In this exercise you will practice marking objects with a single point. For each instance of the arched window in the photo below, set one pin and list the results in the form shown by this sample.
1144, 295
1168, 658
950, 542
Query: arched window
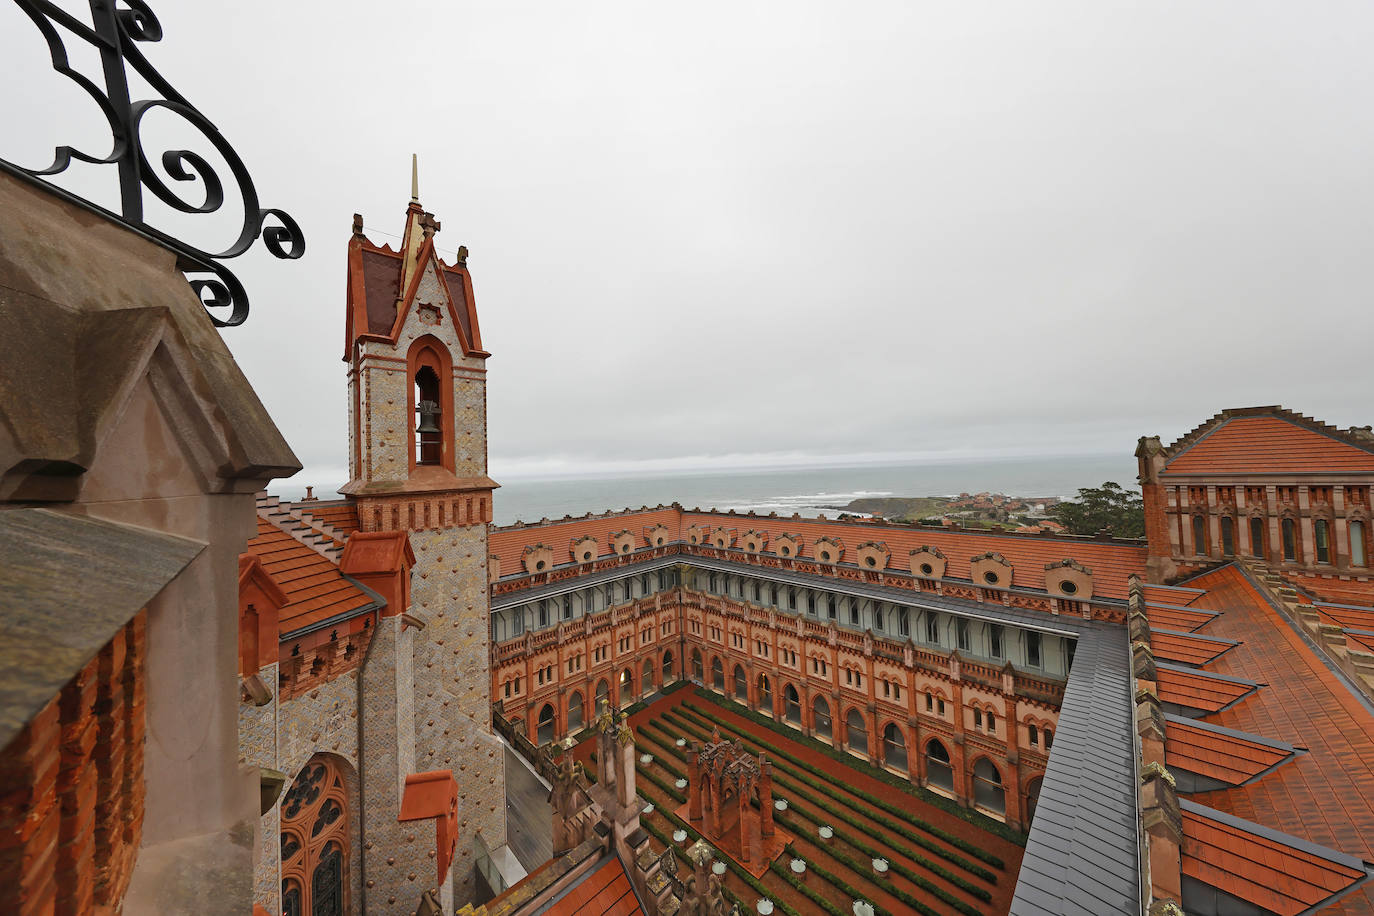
1032, 798
646, 684
1321, 540
698, 671
792, 705
548, 724
1049, 738
1199, 535
1257, 537
741, 685
765, 695
717, 675
1033, 734
429, 439
988, 793
1358, 556
314, 840
856, 732
894, 747
627, 686
668, 666
1228, 536
938, 771
575, 711
820, 719
1290, 540
603, 696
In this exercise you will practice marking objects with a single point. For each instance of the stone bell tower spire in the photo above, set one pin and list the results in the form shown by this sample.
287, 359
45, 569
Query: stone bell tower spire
418, 464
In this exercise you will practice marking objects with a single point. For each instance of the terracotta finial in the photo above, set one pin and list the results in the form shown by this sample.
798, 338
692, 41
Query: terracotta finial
462, 256
357, 225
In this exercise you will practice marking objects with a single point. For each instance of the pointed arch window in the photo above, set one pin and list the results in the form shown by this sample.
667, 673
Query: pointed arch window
430, 368
1358, 556
1290, 540
428, 433
1228, 536
1199, 535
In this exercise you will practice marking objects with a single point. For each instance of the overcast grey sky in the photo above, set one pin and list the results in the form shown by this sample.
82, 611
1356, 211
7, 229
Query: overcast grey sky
739, 233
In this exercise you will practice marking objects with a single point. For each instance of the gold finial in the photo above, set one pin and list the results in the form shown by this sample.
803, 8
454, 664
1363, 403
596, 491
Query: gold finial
414, 178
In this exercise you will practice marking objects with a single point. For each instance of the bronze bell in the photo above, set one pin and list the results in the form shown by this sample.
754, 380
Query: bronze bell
429, 413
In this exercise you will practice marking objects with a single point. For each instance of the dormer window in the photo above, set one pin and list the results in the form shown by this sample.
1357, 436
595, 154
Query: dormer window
428, 431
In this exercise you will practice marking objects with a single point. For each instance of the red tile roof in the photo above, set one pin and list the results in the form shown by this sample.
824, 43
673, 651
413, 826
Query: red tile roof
1230, 757
1178, 618
1359, 592
1269, 870
1171, 594
1347, 617
1322, 796
1199, 690
340, 515
1360, 641
1111, 563
1269, 445
605, 891
1185, 648
315, 589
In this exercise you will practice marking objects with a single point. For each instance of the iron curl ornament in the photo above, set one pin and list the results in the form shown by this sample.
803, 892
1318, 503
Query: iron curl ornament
191, 186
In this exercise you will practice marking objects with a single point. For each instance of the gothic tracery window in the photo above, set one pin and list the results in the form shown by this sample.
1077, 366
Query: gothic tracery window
314, 841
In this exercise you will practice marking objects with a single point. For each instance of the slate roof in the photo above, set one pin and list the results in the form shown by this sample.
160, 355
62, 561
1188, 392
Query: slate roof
69, 582
1081, 857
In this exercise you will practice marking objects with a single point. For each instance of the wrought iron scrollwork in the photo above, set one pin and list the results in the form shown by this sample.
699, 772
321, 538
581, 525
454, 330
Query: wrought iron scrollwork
116, 29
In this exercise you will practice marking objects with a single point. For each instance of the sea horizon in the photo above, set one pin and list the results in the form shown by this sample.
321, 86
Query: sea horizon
790, 490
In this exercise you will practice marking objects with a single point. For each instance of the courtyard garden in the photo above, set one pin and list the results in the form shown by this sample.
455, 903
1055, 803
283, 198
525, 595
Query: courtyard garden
860, 834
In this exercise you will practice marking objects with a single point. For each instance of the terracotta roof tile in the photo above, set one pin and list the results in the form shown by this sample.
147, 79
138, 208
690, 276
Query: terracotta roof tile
314, 587
1111, 563
1350, 618
1219, 753
1322, 796
605, 891
1360, 641
1172, 594
1187, 648
1278, 873
1357, 592
1268, 445
1194, 689
1180, 619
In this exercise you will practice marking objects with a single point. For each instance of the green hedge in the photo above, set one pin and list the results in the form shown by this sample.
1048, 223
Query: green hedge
784, 776
786, 874
845, 887
911, 875
981, 821
883, 804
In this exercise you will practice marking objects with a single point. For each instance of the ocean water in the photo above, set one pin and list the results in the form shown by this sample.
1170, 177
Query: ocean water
809, 491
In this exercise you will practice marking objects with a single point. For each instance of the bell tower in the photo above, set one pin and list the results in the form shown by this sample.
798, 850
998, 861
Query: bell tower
418, 464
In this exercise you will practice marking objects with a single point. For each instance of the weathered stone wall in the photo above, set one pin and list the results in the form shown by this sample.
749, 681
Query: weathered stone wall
284, 736
452, 686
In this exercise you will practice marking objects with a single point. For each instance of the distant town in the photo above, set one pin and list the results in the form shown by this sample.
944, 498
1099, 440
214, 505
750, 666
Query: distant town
1022, 514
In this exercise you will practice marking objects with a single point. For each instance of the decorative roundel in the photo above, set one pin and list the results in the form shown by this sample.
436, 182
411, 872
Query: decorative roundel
785, 551
538, 565
825, 556
1068, 587
927, 569
870, 561
991, 578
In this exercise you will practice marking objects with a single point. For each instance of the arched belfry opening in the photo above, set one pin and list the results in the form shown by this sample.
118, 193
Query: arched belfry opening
429, 441
430, 369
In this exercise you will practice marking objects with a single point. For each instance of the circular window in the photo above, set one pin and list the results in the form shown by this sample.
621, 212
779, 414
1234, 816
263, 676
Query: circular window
991, 578
693, 539
927, 569
624, 548
825, 556
538, 565
785, 551
1068, 588
586, 557
870, 561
